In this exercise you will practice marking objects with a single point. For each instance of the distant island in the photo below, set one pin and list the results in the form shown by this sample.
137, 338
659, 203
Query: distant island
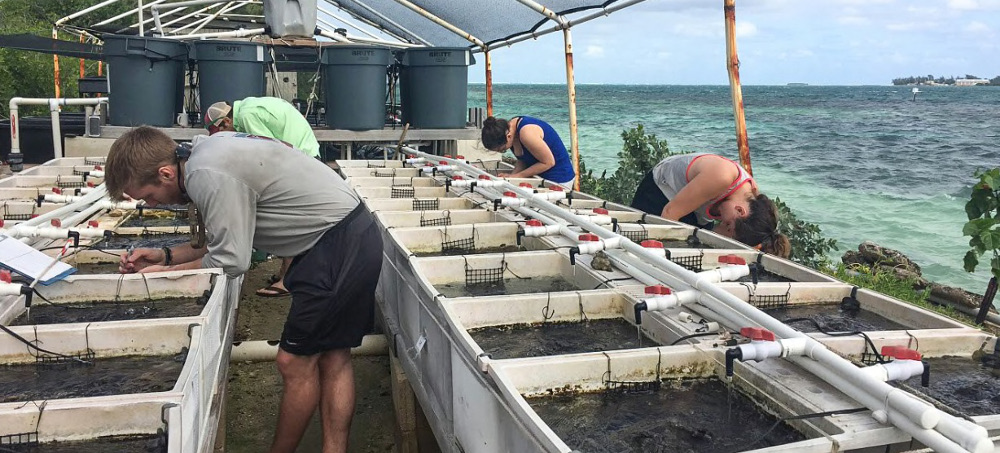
968, 80
798, 84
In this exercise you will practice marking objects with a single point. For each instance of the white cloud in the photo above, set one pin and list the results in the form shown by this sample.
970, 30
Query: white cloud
912, 26
594, 51
963, 4
977, 27
853, 20
745, 29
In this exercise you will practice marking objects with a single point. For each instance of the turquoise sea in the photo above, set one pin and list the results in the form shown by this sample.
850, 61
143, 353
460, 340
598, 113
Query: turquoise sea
862, 162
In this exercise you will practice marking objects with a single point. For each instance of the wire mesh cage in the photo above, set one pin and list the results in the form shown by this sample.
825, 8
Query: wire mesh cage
690, 262
628, 387
458, 246
93, 161
19, 442
384, 172
376, 164
69, 184
402, 192
83, 358
485, 277
769, 301
636, 236
439, 221
426, 205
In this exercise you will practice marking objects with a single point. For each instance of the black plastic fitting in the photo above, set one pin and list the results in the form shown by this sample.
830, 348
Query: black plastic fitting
639, 308
925, 377
573, 251
39, 200
27, 292
75, 236
519, 235
732, 355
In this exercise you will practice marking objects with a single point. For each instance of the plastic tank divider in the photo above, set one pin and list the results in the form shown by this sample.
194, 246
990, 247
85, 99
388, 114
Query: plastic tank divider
875, 394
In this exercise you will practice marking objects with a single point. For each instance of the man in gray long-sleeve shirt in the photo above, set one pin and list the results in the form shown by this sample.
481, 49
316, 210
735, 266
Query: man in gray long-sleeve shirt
258, 192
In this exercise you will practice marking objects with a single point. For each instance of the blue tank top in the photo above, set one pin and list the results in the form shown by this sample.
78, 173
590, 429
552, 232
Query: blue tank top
562, 171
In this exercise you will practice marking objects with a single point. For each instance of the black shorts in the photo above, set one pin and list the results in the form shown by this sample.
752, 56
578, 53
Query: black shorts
333, 287
649, 198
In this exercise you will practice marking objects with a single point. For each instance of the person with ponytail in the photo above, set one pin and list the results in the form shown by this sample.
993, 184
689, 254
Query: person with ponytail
712, 192
536, 145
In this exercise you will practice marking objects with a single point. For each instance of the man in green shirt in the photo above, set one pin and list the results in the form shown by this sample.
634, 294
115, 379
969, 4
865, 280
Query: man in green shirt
266, 117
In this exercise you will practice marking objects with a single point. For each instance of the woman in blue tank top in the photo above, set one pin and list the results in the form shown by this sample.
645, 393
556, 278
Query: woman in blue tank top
538, 148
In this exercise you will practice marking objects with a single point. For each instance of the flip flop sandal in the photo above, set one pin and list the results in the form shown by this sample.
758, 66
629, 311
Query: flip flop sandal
273, 279
272, 291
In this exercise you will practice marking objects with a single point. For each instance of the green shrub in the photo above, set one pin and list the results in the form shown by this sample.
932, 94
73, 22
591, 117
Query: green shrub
983, 226
887, 283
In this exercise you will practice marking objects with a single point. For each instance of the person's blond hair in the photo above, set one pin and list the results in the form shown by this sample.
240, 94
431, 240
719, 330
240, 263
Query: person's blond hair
135, 159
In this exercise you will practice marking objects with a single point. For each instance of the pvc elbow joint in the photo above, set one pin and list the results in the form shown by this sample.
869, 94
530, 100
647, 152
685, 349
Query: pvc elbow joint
732, 355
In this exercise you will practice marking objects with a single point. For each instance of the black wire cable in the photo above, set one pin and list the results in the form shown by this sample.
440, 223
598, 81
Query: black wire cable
695, 335
868, 340
802, 417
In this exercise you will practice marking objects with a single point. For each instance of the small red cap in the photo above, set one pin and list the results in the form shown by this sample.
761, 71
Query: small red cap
732, 259
485, 177
94, 224
1, 223
5, 276
411, 156
534, 223
526, 185
98, 167
460, 156
448, 156
658, 289
556, 188
651, 244
57, 190
56, 223
34, 215
510, 194
428, 164
901, 353
91, 184
600, 211
457, 177
757, 333
589, 237
443, 162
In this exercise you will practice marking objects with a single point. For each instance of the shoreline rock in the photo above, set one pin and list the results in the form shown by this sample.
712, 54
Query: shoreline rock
893, 261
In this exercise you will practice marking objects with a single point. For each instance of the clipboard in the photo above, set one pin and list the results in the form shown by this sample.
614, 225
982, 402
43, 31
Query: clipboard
28, 262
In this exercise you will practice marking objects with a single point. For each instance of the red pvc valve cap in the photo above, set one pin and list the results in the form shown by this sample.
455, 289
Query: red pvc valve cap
34, 215
534, 223
901, 353
600, 211
526, 185
460, 156
732, 259
57, 190
589, 237
411, 156
510, 194
757, 333
456, 177
94, 224
428, 164
1, 223
485, 177
443, 162
556, 188
5, 276
98, 167
658, 290
56, 223
91, 184
651, 244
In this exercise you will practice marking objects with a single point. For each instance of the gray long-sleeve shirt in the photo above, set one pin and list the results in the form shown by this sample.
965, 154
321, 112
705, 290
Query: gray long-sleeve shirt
258, 192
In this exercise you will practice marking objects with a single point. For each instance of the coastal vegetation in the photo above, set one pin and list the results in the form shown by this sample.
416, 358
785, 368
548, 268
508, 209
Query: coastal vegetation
940, 80
983, 228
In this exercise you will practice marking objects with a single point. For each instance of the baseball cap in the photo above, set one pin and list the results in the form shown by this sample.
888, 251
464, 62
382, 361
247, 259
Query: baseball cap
216, 113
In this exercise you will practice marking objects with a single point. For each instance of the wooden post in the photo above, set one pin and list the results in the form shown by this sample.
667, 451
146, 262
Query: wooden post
405, 404
571, 87
733, 61
489, 84
55, 64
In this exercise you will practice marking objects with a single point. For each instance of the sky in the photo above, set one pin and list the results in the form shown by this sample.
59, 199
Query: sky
820, 42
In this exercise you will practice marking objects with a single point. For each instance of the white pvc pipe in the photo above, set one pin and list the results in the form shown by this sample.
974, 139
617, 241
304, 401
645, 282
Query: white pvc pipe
54, 104
828, 366
83, 11
263, 351
334, 36
241, 33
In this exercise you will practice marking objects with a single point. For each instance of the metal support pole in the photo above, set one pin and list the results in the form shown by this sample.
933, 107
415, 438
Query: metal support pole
571, 87
489, 84
733, 61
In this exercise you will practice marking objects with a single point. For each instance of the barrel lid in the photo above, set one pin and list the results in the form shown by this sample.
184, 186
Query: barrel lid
438, 56
351, 55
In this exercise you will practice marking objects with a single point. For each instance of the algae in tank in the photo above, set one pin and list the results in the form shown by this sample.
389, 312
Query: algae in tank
684, 415
102, 376
528, 285
154, 443
101, 311
831, 318
554, 338
970, 385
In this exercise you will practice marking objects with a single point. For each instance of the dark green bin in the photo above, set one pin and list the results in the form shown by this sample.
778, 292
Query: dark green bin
434, 90
230, 70
354, 86
145, 79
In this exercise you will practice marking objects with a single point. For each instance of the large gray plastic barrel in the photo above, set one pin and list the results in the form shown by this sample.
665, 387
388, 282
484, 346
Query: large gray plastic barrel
145, 79
230, 70
354, 86
434, 87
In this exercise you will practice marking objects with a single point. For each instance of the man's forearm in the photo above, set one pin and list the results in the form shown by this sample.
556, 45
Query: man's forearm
185, 253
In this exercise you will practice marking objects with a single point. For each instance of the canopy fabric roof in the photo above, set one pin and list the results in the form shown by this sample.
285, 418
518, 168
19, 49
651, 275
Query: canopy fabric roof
490, 21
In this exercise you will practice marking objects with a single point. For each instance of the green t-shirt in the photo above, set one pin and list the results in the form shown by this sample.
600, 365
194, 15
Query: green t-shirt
275, 118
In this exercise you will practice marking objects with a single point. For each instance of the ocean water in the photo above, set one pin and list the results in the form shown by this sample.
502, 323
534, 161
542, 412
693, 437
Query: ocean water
862, 162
